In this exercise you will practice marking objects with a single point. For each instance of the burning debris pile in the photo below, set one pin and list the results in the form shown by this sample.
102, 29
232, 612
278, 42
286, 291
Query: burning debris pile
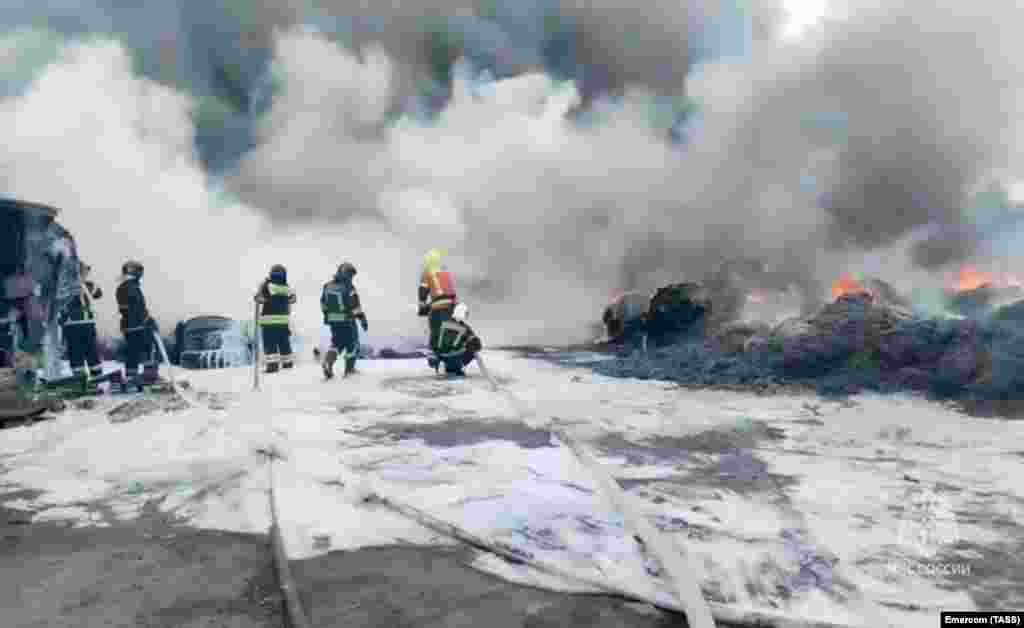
671, 312
869, 337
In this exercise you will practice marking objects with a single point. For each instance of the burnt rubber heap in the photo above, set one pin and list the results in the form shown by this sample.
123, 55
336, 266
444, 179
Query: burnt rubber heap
849, 346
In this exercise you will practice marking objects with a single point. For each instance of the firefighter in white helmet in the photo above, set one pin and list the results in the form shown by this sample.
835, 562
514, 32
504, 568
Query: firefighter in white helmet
457, 343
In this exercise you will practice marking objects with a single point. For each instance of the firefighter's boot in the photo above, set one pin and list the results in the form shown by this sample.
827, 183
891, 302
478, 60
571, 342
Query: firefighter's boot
328, 363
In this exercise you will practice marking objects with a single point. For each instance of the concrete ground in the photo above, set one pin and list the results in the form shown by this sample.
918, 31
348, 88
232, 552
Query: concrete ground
156, 573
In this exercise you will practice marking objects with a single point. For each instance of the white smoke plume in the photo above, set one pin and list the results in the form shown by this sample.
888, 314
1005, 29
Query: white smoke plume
809, 158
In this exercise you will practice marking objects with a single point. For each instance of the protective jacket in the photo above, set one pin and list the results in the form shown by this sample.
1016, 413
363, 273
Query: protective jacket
437, 289
79, 310
277, 300
339, 302
132, 305
456, 339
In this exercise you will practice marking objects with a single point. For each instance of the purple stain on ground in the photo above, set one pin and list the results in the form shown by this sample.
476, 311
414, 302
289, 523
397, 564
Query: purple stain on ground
740, 464
670, 524
462, 432
814, 568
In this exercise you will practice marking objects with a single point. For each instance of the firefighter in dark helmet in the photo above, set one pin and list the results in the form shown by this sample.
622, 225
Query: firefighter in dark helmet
137, 325
436, 294
457, 343
78, 324
276, 299
340, 304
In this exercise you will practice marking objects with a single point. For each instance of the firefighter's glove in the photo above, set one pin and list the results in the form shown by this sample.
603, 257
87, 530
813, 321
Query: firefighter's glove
424, 309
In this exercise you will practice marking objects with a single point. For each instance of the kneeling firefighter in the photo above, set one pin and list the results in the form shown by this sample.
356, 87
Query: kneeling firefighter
137, 326
277, 299
436, 295
340, 304
78, 325
458, 344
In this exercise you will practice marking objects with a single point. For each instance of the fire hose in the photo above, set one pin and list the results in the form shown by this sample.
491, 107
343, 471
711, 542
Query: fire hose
170, 371
295, 615
692, 601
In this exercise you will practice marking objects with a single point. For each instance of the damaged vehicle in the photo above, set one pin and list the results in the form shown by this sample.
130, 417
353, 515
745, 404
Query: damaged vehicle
210, 342
39, 275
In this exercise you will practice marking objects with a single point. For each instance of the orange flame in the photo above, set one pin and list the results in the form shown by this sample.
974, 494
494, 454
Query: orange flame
970, 278
848, 286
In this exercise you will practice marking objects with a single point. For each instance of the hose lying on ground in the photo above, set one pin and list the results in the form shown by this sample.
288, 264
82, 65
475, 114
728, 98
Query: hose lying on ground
698, 614
170, 371
748, 618
292, 605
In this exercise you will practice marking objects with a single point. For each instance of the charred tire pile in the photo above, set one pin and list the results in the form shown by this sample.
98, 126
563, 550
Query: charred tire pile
846, 347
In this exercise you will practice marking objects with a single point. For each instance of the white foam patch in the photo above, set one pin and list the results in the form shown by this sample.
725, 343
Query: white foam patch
825, 501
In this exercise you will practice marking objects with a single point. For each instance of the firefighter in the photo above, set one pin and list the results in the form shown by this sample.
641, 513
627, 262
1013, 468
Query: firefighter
78, 324
277, 299
8, 318
457, 343
340, 304
137, 326
436, 296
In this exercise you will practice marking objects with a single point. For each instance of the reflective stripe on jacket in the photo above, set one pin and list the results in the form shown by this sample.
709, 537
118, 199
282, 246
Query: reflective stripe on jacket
79, 310
453, 339
439, 286
277, 300
339, 302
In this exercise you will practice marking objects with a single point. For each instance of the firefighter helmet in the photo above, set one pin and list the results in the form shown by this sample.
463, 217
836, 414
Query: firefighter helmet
347, 268
278, 273
132, 268
432, 261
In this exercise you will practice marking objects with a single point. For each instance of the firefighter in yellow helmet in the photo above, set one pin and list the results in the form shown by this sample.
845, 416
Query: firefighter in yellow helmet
436, 297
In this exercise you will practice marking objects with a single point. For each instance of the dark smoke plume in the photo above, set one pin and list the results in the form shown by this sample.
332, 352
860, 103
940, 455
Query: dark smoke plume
695, 138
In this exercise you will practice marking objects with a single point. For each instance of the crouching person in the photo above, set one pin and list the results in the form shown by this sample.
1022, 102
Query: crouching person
457, 344
137, 326
276, 299
78, 325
